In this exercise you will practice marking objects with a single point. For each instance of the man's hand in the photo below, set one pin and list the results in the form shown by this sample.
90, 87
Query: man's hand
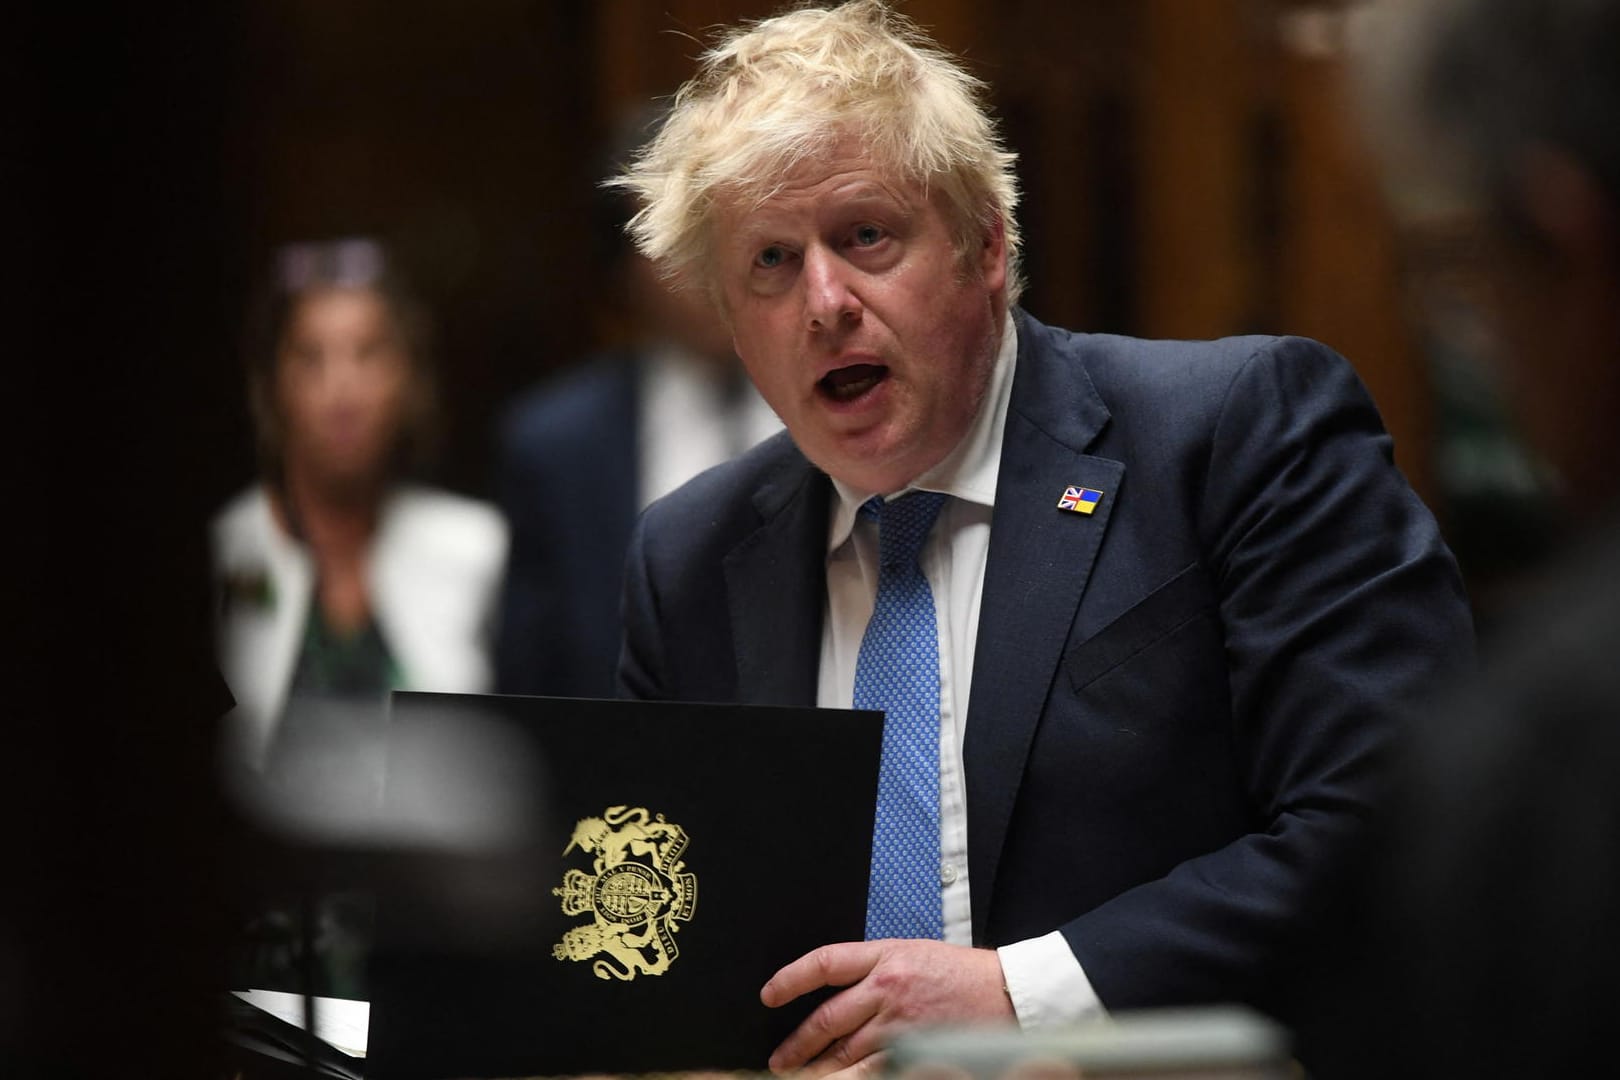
892, 985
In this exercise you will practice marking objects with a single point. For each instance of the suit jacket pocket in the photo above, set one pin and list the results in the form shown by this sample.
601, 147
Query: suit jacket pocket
1166, 609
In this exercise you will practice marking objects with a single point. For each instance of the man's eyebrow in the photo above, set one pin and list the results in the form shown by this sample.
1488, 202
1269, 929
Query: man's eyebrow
752, 231
861, 196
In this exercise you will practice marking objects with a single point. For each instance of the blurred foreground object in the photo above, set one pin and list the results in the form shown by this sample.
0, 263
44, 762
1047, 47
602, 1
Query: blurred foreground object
1495, 120
438, 816
1486, 940
1166, 1044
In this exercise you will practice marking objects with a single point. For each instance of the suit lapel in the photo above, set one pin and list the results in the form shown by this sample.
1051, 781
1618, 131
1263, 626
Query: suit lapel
1039, 561
775, 584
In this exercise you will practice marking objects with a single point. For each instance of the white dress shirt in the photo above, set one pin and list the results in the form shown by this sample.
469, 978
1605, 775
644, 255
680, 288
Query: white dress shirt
1044, 980
693, 417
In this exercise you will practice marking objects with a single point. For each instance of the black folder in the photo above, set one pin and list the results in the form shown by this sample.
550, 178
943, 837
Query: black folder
690, 851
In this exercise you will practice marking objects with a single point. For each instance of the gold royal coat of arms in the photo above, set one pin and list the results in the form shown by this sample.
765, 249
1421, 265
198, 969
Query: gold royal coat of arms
638, 894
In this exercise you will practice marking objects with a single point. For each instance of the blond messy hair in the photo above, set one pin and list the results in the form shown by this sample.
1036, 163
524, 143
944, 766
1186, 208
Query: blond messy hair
772, 93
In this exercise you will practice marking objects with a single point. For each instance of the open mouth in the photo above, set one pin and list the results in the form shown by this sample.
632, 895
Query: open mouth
849, 383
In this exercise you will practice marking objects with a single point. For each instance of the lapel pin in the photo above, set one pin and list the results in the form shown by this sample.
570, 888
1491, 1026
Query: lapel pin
1080, 500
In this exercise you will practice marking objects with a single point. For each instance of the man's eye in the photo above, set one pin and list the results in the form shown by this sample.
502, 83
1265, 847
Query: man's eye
867, 235
770, 257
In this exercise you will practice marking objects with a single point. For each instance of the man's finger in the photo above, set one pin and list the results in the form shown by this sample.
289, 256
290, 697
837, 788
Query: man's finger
829, 1026
843, 964
848, 1055
868, 1068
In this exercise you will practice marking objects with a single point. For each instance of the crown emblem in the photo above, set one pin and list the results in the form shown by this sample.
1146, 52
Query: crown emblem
637, 894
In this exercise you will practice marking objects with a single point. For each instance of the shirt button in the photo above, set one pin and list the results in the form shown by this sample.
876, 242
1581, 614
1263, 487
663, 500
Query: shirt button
947, 873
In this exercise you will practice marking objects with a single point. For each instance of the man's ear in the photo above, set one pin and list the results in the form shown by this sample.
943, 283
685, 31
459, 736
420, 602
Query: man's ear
992, 256
1568, 209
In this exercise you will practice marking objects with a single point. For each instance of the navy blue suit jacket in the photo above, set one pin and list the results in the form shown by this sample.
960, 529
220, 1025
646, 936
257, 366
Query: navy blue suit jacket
569, 484
1180, 703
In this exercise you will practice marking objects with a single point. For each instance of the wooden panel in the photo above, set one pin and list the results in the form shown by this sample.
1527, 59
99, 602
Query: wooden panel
646, 48
453, 133
1197, 265
1183, 176
1338, 263
1059, 83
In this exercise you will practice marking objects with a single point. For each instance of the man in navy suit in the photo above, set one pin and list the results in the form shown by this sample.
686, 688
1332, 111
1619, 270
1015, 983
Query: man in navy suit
581, 454
1180, 589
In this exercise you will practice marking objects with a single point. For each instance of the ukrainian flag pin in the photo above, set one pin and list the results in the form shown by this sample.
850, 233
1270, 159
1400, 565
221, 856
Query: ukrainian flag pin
1080, 500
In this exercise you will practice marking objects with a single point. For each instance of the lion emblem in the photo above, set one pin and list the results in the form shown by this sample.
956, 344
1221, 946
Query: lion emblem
637, 893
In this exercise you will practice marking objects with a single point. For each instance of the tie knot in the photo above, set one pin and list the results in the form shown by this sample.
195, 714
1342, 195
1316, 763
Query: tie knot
903, 524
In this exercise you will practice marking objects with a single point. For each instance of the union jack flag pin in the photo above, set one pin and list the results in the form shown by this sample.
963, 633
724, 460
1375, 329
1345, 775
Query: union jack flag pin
1080, 500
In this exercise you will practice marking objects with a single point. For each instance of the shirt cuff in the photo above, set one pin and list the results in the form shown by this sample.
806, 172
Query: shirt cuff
1046, 983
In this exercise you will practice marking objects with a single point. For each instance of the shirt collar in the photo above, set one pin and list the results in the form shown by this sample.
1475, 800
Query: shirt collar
968, 472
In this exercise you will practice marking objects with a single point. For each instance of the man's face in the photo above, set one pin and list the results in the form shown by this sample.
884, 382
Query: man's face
856, 319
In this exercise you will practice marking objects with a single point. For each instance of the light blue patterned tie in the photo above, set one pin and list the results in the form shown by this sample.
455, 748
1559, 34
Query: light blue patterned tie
898, 672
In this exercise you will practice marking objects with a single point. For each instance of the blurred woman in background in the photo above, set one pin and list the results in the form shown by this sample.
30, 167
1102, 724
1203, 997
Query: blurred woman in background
338, 580
337, 577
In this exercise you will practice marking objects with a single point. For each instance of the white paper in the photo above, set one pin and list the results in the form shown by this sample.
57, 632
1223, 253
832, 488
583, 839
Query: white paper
338, 1021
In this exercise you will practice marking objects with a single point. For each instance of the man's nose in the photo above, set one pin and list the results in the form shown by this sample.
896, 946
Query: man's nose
829, 300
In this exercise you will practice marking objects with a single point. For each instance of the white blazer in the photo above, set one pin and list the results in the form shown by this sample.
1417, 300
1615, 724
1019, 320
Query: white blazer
434, 577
